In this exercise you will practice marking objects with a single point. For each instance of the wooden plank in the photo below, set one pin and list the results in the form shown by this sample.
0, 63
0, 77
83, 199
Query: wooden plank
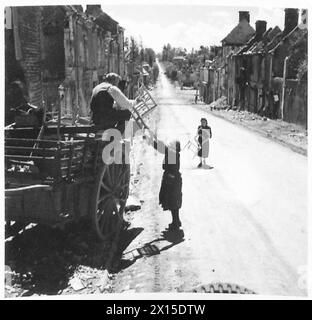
31, 140
18, 148
27, 158
26, 151
26, 188
53, 129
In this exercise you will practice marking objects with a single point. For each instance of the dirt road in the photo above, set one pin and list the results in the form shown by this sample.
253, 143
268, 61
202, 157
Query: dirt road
244, 221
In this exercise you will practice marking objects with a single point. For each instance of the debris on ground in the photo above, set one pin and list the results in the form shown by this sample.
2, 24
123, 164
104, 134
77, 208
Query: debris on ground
76, 284
219, 104
133, 204
288, 134
51, 261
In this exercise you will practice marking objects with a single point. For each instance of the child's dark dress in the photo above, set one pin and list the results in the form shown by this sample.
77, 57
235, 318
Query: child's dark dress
170, 194
204, 134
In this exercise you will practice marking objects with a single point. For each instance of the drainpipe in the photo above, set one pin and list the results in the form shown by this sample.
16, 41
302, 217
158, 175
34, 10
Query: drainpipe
270, 70
268, 103
284, 86
234, 80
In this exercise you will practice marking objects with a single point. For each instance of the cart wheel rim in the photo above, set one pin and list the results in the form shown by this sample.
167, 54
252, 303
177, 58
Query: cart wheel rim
111, 195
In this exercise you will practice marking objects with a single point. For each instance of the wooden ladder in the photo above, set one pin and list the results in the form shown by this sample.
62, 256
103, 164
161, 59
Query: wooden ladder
145, 106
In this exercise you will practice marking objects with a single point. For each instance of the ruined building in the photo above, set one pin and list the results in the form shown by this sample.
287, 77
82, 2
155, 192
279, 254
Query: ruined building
61, 51
263, 71
272, 61
240, 34
216, 83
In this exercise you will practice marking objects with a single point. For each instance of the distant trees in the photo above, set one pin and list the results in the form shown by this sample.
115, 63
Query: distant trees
169, 52
195, 56
132, 50
137, 53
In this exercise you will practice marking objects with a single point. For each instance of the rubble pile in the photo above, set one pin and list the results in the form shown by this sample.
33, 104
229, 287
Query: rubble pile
289, 134
219, 104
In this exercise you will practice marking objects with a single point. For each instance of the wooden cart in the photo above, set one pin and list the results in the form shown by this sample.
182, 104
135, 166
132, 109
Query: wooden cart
61, 175
50, 181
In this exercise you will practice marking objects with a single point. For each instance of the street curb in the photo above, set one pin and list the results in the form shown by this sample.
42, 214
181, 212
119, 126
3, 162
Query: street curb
294, 148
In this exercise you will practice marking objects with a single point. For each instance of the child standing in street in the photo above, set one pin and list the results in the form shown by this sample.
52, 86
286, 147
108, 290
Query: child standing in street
170, 195
202, 139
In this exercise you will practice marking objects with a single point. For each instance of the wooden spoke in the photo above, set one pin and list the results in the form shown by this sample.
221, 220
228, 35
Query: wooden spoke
104, 219
101, 199
121, 174
104, 186
110, 196
108, 175
111, 169
124, 186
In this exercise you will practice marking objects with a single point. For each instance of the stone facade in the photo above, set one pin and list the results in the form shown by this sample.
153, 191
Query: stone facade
61, 53
254, 77
23, 50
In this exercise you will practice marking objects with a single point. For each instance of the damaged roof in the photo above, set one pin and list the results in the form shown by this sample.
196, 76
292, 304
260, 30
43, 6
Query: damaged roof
291, 37
104, 20
240, 34
258, 45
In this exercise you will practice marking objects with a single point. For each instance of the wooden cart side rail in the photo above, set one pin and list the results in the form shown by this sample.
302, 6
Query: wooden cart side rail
30, 158
51, 129
31, 140
45, 141
22, 189
39, 152
26, 158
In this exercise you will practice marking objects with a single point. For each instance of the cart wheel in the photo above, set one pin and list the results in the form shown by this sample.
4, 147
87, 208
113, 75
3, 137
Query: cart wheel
111, 193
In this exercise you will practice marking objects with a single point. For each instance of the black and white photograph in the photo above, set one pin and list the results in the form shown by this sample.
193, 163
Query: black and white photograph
155, 147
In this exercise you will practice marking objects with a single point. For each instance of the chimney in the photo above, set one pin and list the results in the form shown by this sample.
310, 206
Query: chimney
93, 9
244, 15
260, 27
291, 19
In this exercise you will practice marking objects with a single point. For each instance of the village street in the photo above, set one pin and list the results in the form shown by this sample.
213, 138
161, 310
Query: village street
244, 221
76, 224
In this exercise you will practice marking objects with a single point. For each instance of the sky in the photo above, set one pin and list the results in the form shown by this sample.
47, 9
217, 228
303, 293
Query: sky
187, 26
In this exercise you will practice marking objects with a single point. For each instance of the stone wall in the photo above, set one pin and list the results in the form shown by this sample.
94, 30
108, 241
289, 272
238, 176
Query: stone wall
49, 47
26, 64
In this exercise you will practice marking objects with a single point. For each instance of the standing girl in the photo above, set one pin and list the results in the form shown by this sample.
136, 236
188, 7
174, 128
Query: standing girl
170, 194
202, 139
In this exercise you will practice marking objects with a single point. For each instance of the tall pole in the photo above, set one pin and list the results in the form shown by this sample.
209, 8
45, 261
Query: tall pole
284, 87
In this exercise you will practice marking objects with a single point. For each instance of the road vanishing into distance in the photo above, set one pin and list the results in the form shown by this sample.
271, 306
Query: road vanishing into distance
244, 221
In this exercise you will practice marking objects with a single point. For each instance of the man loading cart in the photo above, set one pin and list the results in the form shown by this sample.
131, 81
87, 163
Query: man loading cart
109, 106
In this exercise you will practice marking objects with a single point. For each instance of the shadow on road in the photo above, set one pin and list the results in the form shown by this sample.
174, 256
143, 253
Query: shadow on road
42, 259
167, 240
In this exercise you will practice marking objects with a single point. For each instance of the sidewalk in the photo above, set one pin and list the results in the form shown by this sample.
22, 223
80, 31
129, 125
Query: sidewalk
287, 134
